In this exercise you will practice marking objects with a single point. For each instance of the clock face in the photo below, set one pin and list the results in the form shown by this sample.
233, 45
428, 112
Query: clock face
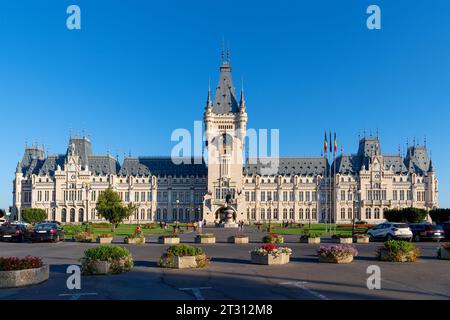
72, 177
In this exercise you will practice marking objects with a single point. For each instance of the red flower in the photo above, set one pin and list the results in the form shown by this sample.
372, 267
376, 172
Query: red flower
269, 247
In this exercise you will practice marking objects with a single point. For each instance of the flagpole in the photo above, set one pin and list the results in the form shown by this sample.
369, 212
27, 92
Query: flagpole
330, 189
334, 178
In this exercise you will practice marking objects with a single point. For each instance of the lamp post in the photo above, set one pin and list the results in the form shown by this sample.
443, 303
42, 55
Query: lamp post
354, 212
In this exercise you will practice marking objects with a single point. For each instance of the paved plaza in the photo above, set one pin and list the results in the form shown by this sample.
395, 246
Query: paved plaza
231, 276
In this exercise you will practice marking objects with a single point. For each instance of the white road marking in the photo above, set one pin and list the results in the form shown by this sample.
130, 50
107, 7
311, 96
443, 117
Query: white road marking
301, 285
76, 296
196, 291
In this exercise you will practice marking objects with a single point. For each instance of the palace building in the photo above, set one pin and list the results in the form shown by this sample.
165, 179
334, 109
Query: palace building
358, 186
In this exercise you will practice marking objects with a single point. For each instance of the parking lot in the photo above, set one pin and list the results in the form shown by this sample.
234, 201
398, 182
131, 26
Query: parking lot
231, 276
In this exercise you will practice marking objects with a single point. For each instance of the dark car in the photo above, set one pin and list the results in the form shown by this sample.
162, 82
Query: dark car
47, 232
446, 227
13, 232
423, 231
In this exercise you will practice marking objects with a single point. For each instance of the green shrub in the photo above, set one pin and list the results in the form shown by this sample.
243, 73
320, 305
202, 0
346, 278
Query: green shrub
273, 238
411, 215
397, 250
71, 230
33, 215
105, 235
440, 215
206, 235
107, 253
181, 250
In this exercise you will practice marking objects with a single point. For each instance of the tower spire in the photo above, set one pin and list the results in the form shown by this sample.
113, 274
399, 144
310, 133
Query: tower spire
242, 102
208, 99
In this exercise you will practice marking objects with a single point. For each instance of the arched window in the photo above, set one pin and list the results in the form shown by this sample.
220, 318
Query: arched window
72, 215
314, 214
342, 213
63, 215
53, 214
80, 215
308, 214
284, 213
377, 213
142, 214
269, 214
350, 213
275, 213
263, 214
291, 214
301, 214
92, 214
368, 213
165, 214
158, 214
149, 214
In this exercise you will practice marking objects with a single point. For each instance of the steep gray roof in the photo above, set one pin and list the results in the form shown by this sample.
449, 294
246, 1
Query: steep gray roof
287, 166
417, 159
225, 98
162, 166
83, 149
103, 165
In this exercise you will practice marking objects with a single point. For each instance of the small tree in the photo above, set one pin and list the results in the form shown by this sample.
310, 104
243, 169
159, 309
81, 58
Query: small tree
33, 215
440, 215
110, 207
411, 215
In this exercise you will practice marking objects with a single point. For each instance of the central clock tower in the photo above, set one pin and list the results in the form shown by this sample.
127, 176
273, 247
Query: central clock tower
225, 122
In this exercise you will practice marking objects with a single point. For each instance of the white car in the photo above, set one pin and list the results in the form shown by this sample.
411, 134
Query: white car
389, 231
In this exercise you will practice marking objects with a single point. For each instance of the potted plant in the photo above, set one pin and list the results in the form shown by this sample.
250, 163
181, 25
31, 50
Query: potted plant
341, 253
84, 237
238, 239
273, 238
104, 238
205, 238
342, 238
269, 254
18, 272
311, 238
444, 252
134, 239
169, 239
182, 256
398, 251
361, 238
106, 259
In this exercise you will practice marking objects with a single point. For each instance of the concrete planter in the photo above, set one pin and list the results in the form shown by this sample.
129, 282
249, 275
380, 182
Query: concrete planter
270, 259
345, 259
165, 240
385, 256
310, 240
238, 240
97, 267
364, 239
343, 240
139, 240
104, 240
186, 262
205, 240
21, 278
445, 254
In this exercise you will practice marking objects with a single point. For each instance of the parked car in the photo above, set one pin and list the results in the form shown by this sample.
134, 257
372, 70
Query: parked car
47, 232
389, 231
446, 227
426, 231
13, 232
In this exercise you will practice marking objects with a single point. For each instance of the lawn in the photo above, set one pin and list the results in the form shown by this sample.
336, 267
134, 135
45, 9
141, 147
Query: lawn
315, 228
121, 230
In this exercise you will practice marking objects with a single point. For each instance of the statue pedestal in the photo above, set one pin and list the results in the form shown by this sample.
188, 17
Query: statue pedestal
229, 225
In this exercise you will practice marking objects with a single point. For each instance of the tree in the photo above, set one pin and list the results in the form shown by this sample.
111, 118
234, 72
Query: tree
33, 215
411, 215
2, 213
440, 215
110, 207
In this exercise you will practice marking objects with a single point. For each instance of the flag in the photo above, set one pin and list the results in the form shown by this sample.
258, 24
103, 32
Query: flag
335, 143
331, 149
325, 143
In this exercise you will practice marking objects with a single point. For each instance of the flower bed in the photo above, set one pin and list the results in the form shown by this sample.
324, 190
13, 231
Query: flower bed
106, 259
444, 252
105, 238
361, 238
18, 272
169, 239
269, 254
341, 253
273, 238
84, 237
311, 238
205, 238
134, 239
183, 256
398, 251
238, 239
340, 238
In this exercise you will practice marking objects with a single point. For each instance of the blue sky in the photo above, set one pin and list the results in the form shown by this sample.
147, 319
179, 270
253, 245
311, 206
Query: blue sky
139, 69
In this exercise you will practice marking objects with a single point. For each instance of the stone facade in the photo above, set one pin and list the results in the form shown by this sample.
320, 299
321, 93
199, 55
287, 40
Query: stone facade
303, 189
